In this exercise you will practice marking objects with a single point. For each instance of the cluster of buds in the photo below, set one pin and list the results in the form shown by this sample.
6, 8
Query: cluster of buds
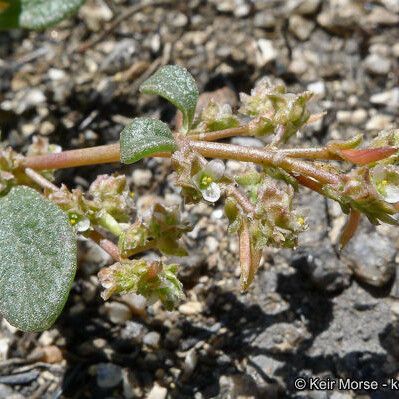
108, 202
216, 116
273, 222
153, 280
12, 172
159, 228
372, 189
275, 110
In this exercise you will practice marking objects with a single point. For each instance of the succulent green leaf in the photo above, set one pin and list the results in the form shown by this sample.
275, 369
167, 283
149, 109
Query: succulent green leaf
35, 14
37, 259
143, 137
175, 84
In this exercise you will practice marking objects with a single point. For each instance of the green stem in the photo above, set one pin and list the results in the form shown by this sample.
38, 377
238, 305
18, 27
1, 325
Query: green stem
108, 222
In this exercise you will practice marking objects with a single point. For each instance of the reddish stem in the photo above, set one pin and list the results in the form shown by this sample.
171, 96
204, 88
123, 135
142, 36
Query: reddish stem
108, 246
350, 228
111, 153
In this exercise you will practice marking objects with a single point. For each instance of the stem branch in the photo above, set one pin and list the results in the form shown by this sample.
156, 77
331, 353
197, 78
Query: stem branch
111, 153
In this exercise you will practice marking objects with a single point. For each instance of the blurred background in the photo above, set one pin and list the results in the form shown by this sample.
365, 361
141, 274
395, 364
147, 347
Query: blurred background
310, 312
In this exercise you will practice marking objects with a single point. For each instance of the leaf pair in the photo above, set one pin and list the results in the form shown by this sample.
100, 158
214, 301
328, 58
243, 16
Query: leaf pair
145, 136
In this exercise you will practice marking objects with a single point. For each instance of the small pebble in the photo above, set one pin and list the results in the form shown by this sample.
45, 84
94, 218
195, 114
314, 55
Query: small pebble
157, 392
117, 312
152, 339
108, 375
141, 177
191, 308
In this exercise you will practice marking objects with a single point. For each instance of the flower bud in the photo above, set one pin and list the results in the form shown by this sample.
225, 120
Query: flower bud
111, 194
153, 280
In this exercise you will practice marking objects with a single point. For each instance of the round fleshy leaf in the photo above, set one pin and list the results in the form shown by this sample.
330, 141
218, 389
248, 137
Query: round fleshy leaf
143, 137
175, 84
35, 14
37, 259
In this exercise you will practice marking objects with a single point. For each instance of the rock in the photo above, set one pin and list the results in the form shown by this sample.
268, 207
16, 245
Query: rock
356, 117
47, 337
264, 19
240, 8
117, 312
379, 122
262, 368
264, 52
323, 267
157, 392
173, 336
108, 375
152, 339
52, 354
282, 338
318, 88
96, 14
391, 5
304, 7
142, 177
179, 20
191, 308
7, 393
120, 57
359, 116
301, 27
212, 244
20, 378
377, 64
137, 303
371, 256
340, 16
25, 100
190, 362
247, 141
238, 386
380, 16
134, 331
390, 98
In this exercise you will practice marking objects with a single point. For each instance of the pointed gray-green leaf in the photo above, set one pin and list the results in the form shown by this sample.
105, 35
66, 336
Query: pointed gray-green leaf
35, 14
175, 84
37, 259
143, 137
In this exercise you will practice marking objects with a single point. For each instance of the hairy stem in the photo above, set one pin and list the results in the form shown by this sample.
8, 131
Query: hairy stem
221, 134
111, 153
263, 156
40, 180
